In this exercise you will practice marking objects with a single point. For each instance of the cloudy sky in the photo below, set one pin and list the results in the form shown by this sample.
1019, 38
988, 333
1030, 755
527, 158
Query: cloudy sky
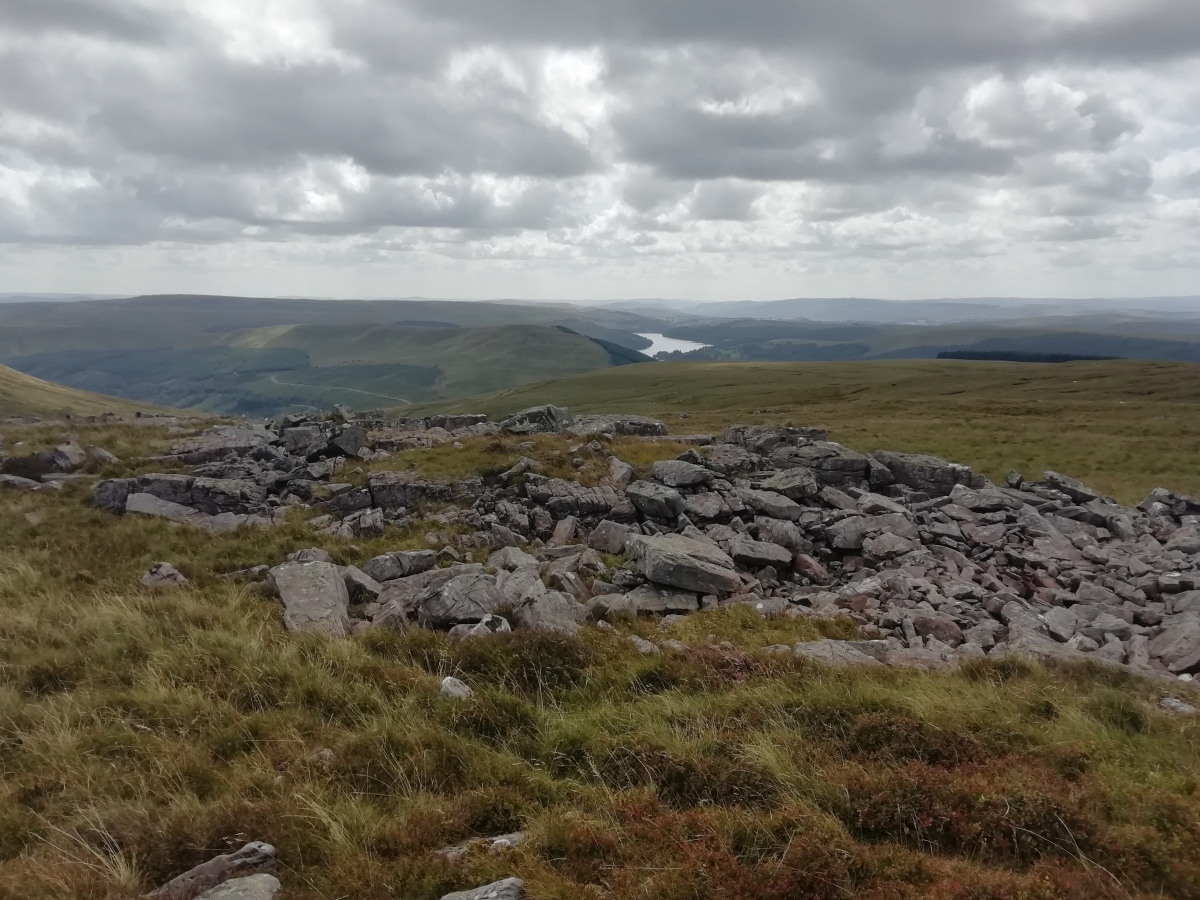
601, 148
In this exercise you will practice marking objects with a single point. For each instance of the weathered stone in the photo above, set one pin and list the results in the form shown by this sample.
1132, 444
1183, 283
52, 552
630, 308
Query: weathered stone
455, 689
682, 562
930, 474
757, 554
652, 598
836, 654
508, 889
401, 564
771, 504
643, 426
511, 558
152, 507
655, 501
17, 483
796, 484
643, 646
1185, 540
252, 887
677, 473
360, 585
619, 473
466, 598
1060, 623
551, 611
609, 537
888, 546
566, 498
565, 531
163, 574
941, 627
255, 858
314, 597
1178, 647
538, 420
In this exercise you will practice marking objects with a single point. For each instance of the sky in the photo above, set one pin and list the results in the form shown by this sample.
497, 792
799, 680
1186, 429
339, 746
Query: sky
598, 149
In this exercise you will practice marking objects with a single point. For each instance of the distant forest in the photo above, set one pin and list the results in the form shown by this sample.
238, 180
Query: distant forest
1018, 356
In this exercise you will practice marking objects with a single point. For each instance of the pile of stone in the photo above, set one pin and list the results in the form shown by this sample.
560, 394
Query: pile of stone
49, 470
929, 558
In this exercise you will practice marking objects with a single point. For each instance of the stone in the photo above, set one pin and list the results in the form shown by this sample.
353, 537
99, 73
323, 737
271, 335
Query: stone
550, 611
677, 473
564, 531
1178, 647
152, 507
254, 858
163, 574
462, 599
836, 654
655, 501
511, 558
361, 586
1076, 490
888, 546
771, 504
756, 554
454, 689
848, 533
538, 420
310, 554
796, 484
683, 562
1175, 705
930, 474
643, 646
632, 426
619, 473
651, 598
17, 483
252, 887
567, 498
1185, 540
940, 627
401, 564
609, 537
1060, 623
314, 597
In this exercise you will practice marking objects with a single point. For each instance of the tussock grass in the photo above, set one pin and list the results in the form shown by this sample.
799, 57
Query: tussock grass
142, 732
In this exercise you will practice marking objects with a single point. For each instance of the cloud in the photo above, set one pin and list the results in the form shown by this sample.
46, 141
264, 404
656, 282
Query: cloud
768, 147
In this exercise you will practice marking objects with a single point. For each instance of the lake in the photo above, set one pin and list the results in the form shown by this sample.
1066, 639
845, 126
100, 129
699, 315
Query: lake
665, 344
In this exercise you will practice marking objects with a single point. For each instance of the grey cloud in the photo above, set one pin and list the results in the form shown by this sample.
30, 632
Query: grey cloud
724, 200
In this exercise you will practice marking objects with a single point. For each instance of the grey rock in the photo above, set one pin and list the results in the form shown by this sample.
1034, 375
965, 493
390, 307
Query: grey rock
163, 574
619, 473
254, 858
511, 558
771, 504
1185, 540
565, 530
17, 483
888, 546
655, 501
677, 473
1060, 623
455, 689
643, 646
551, 612
639, 426
1076, 490
757, 554
682, 562
651, 598
398, 601
1178, 647
463, 599
796, 484
609, 537
152, 507
310, 554
251, 887
707, 506
836, 654
566, 498
538, 420
1175, 705
848, 533
314, 597
930, 474
360, 585
781, 532
401, 564
608, 607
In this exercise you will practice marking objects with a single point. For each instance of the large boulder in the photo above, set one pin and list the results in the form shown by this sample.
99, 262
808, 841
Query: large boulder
462, 600
771, 504
568, 498
683, 562
832, 464
314, 597
398, 599
756, 554
400, 564
609, 537
796, 484
539, 420
930, 474
655, 501
589, 426
549, 611
677, 473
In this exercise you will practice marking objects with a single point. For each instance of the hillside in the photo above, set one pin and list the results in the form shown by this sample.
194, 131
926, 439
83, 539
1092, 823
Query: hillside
1124, 426
24, 395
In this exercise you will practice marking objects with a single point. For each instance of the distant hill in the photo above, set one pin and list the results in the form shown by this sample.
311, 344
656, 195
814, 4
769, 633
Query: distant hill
24, 395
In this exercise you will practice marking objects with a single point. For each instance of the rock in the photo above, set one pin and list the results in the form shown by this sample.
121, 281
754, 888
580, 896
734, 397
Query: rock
486, 626
652, 598
929, 474
310, 554
252, 887
683, 563
796, 484
677, 473
609, 537
511, 558
17, 483
1178, 647
550, 611
610, 607
348, 441
455, 689
642, 426
620, 473
152, 507
1076, 490
888, 546
398, 601
1175, 705
463, 599
163, 574
564, 531
1185, 540
836, 654
832, 464
521, 467
360, 586
67, 457
566, 498
643, 646
655, 501
940, 627
538, 420
253, 859
102, 457
757, 554
314, 597
771, 504
400, 564
1060, 623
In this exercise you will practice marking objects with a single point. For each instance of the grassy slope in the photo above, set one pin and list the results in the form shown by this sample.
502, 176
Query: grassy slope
1122, 426
143, 732
24, 395
473, 359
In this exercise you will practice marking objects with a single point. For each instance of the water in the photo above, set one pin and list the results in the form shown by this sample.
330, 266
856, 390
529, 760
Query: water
661, 344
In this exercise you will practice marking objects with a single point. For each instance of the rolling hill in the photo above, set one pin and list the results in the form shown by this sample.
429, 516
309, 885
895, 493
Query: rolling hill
24, 395
1122, 425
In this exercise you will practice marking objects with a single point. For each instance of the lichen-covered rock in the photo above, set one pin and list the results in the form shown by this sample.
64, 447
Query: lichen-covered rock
314, 597
656, 501
684, 563
463, 599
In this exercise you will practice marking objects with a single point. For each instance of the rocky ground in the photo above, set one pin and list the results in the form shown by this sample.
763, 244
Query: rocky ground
935, 564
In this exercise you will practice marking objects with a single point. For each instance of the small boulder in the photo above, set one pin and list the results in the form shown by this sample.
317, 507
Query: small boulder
163, 574
314, 597
455, 689
609, 537
655, 501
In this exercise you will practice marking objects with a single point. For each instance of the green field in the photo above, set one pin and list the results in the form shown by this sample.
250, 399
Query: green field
1123, 426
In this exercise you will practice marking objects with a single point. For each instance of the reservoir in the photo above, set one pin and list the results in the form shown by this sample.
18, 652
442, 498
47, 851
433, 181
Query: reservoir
665, 344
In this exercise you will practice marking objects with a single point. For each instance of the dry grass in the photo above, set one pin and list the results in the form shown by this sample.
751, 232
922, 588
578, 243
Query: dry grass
142, 732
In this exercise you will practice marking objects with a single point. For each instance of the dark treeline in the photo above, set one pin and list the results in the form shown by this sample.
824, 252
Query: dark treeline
1018, 356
